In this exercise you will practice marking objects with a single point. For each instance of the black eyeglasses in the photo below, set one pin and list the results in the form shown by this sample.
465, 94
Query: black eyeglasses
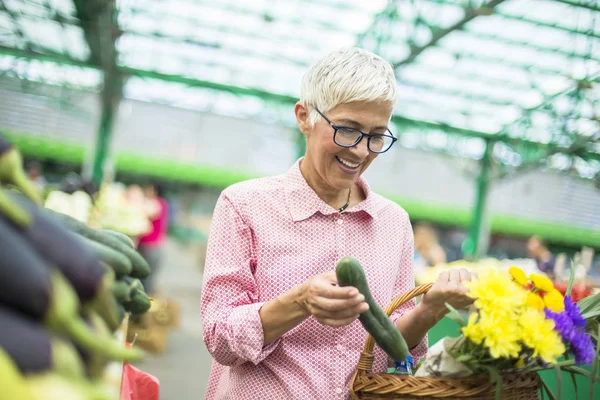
349, 137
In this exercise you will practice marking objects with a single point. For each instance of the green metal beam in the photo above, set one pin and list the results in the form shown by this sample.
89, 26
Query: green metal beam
235, 9
478, 227
546, 24
528, 20
459, 93
522, 43
549, 99
191, 82
276, 58
399, 120
199, 43
231, 30
47, 55
497, 60
587, 6
471, 76
437, 35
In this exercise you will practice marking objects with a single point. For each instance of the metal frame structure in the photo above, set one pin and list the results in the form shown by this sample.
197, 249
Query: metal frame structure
520, 76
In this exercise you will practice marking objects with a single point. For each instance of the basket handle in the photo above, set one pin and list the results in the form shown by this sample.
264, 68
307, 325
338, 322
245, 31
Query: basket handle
365, 363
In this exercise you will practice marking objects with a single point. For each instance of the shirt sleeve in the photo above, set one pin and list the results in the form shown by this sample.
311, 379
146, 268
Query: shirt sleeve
405, 281
232, 327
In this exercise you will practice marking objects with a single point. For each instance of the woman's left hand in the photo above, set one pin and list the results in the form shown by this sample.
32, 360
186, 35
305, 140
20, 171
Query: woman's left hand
448, 288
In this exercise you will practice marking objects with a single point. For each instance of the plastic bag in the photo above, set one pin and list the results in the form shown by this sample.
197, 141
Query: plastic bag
138, 385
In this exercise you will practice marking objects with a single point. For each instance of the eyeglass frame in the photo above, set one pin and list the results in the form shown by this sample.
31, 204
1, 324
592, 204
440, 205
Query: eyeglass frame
368, 135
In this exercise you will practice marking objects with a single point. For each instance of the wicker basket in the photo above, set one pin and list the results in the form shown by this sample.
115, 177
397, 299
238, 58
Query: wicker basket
368, 385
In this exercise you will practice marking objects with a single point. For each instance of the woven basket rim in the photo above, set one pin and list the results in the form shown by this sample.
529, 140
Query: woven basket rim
478, 385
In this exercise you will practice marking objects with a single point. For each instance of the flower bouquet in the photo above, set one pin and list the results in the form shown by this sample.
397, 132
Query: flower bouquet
519, 324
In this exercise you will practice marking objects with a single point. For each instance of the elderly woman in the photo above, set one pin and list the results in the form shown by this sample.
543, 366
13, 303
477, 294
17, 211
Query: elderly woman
274, 319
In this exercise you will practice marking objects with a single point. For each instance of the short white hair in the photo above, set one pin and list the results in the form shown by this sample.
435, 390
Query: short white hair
345, 76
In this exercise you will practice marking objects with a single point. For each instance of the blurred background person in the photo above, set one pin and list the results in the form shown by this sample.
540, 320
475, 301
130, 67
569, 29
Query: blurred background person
151, 245
35, 173
428, 251
537, 249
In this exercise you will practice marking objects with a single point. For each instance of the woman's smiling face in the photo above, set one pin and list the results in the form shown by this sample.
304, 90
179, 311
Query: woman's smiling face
339, 167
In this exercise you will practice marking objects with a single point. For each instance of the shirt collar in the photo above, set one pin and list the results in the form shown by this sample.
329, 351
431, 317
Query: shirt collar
303, 202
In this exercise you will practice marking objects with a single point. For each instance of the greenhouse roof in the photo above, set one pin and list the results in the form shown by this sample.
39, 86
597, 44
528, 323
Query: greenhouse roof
523, 72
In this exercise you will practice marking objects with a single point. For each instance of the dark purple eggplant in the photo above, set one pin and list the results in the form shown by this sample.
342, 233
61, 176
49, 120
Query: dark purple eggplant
63, 249
25, 282
34, 349
42, 292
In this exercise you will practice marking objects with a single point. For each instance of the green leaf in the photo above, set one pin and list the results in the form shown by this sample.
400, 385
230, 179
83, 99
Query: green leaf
558, 381
464, 357
496, 378
455, 316
571, 279
573, 380
583, 372
547, 389
591, 314
594, 368
589, 303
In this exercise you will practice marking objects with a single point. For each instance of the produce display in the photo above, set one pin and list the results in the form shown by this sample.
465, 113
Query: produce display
120, 209
349, 272
66, 288
77, 205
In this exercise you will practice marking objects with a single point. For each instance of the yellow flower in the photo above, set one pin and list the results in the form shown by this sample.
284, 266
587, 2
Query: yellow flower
555, 301
501, 335
535, 301
538, 333
496, 290
542, 282
518, 275
473, 330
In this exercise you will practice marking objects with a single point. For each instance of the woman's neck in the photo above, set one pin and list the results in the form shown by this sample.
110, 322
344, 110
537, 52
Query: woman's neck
335, 198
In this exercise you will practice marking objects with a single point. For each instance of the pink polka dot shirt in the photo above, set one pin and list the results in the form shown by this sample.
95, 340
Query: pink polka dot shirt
269, 235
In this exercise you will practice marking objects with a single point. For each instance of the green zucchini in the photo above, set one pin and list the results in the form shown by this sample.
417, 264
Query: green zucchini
117, 261
121, 236
139, 304
349, 272
121, 291
140, 268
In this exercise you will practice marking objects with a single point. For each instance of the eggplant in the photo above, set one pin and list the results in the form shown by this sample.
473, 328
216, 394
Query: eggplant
11, 171
34, 349
63, 249
14, 386
43, 293
13, 212
25, 282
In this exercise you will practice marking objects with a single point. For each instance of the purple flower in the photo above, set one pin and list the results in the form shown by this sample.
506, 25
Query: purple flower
572, 309
583, 348
570, 325
563, 323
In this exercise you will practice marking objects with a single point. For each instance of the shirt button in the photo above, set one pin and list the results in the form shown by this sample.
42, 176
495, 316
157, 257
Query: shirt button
338, 390
340, 347
340, 221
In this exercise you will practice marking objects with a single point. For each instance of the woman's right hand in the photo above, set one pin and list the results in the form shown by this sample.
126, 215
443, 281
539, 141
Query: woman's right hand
329, 303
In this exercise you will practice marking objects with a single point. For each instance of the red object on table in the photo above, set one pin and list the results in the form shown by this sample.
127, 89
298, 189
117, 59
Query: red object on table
578, 292
138, 385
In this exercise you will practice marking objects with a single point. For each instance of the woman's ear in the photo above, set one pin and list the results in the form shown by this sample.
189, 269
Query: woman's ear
302, 118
